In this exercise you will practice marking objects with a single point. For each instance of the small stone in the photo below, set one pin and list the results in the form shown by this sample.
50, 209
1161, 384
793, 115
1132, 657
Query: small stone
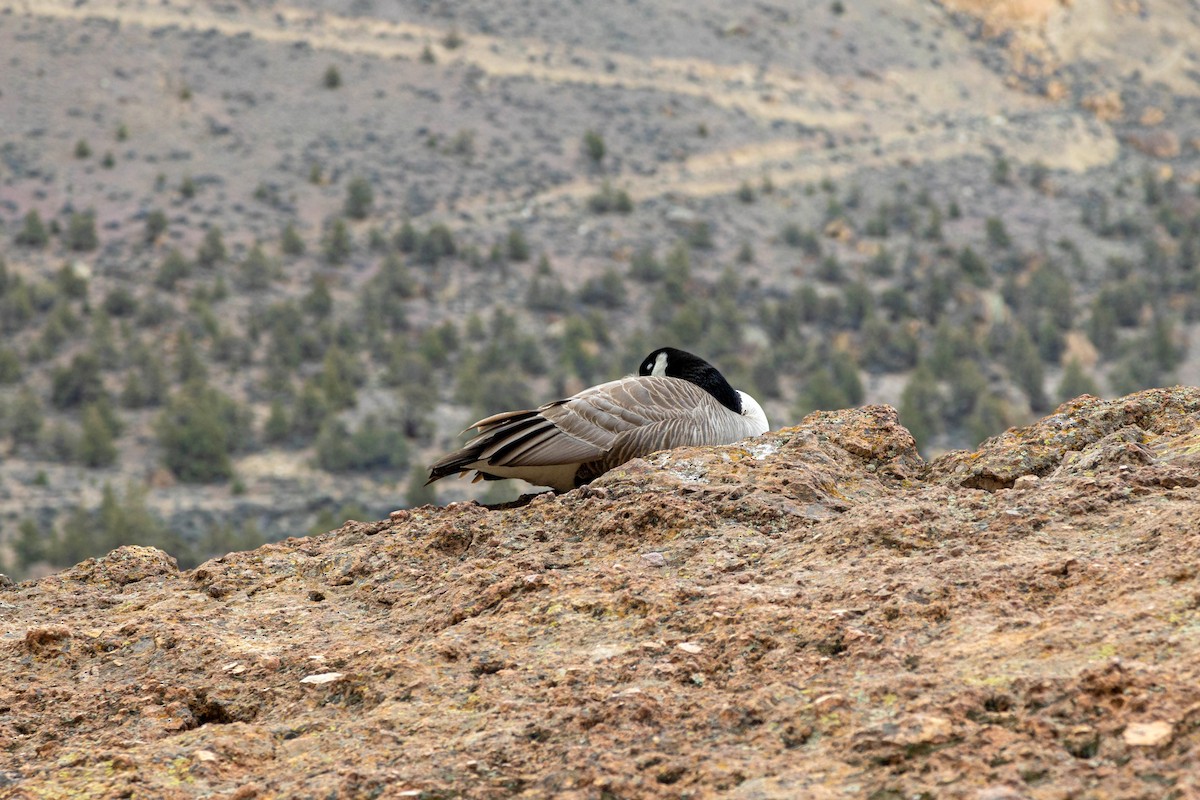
689, 647
853, 635
827, 702
655, 559
206, 755
1157, 143
920, 729
324, 677
1026, 482
1055, 90
1106, 106
400, 515
1151, 116
1148, 734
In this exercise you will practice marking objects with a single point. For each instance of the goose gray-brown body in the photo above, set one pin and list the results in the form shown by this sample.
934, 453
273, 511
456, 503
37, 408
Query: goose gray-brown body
568, 442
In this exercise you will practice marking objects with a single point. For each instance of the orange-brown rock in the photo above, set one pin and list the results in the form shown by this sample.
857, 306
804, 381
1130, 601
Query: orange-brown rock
1106, 106
814, 613
1157, 143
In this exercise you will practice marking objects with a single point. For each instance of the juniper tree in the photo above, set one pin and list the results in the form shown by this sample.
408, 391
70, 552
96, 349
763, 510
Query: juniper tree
33, 232
359, 198
593, 146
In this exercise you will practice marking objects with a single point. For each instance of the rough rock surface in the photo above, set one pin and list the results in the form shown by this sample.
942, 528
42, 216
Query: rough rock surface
815, 613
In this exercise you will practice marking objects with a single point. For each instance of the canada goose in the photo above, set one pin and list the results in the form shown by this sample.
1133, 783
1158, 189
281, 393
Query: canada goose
676, 399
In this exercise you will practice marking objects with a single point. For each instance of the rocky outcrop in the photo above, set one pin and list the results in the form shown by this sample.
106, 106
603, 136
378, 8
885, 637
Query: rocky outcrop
814, 613
1152, 432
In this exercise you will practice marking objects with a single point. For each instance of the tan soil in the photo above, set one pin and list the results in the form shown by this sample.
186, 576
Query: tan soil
817, 613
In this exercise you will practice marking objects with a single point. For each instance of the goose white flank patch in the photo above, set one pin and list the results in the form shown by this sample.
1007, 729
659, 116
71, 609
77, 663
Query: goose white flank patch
676, 400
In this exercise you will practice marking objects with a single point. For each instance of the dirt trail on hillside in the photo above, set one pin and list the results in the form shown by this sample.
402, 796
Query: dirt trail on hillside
875, 120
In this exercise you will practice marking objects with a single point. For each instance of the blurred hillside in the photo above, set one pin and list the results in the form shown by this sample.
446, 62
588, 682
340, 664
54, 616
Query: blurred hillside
261, 262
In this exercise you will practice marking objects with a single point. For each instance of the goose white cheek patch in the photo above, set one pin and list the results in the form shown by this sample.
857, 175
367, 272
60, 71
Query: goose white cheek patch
660, 366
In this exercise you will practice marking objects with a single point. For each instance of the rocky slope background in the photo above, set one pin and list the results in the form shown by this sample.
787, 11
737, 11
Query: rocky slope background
817, 612
261, 261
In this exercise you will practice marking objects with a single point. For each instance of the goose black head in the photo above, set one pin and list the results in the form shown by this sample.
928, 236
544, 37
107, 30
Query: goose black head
670, 362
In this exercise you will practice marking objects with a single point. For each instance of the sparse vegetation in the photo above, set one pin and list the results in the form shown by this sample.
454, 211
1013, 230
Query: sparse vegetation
359, 198
351, 302
33, 232
593, 146
516, 248
199, 431
606, 291
290, 242
374, 446
609, 199
699, 235
174, 268
256, 270
212, 250
337, 244
156, 226
81, 232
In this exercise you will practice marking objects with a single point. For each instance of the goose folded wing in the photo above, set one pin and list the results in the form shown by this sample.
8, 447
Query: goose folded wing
685, 416
585, 427
691, 428
539, 444
617, 414
576, 430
